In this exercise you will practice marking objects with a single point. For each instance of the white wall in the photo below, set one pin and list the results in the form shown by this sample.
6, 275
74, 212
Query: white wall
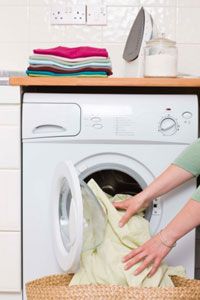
25, 25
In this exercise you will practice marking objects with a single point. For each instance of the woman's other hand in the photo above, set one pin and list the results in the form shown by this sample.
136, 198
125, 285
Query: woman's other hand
156, 248
150, 253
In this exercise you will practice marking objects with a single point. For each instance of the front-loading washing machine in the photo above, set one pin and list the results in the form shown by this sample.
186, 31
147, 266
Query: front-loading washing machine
123, 142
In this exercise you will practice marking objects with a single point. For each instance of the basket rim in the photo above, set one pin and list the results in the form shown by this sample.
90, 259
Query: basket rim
42, 283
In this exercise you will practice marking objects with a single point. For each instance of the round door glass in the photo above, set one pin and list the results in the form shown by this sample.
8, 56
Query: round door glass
94, 219
65, 199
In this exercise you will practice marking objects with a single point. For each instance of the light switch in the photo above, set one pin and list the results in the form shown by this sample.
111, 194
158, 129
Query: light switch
96, 15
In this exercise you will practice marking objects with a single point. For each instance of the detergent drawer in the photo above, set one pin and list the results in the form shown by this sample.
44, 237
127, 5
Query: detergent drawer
50, 120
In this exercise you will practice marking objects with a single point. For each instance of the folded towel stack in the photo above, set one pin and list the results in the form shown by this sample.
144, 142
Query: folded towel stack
64, 61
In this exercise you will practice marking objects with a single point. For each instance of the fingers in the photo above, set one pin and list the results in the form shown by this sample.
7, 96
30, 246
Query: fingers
129, 213
135, 260
130, 205
147, 261
121, 204
155, 267
132, 254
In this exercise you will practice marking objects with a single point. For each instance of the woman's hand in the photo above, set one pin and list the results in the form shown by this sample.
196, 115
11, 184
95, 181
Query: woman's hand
132, 205
172, 177
150, 253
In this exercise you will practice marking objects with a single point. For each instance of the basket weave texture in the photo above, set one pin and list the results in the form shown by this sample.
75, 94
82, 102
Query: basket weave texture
56, 288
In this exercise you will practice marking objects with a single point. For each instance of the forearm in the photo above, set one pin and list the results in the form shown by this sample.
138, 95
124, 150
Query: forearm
187, 219
172, 177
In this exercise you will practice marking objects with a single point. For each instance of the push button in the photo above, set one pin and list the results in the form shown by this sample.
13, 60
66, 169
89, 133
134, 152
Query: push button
187, 115
97, 126
95, 119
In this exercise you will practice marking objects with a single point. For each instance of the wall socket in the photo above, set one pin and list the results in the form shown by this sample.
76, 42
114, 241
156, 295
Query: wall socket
57, 14
68, 15
76, 14
96, 15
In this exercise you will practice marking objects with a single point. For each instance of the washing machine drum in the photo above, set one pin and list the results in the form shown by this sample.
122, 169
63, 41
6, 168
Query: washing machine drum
79, 221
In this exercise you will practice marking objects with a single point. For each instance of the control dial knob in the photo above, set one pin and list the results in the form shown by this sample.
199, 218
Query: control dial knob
168, 126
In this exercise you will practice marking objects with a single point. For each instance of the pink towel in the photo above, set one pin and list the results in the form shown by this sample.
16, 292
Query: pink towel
83, 51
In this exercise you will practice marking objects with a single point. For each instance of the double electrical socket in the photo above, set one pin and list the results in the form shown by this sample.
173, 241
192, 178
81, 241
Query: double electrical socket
61, 14
78, 14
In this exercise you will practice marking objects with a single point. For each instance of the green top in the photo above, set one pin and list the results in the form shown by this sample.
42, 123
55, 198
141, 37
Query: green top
189, 160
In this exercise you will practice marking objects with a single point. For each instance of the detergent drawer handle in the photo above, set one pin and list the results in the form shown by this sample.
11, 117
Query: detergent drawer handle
48, 128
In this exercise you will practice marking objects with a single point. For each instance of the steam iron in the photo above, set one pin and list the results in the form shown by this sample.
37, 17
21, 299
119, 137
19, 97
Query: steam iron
142, 30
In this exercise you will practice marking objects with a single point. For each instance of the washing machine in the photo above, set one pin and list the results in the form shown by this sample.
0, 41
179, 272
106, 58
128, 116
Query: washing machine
123, 141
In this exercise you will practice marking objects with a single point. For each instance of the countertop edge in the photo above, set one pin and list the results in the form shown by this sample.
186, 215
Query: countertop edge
112, 81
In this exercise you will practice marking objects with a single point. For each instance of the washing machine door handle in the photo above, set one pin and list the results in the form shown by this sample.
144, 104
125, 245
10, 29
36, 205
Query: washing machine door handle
67, 216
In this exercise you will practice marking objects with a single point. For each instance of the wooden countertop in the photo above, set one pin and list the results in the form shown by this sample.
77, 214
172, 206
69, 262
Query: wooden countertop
111, 81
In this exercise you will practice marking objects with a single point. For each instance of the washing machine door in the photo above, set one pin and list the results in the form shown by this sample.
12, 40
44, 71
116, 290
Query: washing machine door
78, 219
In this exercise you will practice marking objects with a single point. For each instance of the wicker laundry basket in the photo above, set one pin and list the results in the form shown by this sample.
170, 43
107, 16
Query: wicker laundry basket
56, 288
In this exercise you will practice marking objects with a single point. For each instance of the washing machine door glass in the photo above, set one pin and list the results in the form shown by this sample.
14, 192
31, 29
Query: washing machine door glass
78, 219
94, 219
67, 215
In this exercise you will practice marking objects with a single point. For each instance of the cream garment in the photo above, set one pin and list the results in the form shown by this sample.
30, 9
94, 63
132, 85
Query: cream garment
103, 265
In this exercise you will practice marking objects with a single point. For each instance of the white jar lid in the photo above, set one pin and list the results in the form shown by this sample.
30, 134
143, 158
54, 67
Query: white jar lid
161, 41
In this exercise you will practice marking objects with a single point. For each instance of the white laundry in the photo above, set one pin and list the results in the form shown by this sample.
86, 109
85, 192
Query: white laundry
103, 265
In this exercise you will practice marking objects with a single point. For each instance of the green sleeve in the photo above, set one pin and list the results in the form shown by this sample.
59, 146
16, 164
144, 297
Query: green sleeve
196, 194
189, 159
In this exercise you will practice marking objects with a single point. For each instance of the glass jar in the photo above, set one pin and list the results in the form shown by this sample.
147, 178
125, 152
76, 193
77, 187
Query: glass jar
161, 57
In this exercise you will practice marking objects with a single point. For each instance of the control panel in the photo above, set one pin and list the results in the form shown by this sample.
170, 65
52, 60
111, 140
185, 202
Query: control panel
159, 118
114, 117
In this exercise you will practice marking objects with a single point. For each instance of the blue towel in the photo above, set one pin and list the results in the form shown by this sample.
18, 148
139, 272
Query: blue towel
84, 73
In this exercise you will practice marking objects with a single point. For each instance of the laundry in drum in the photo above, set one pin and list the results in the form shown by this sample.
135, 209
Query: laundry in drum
102, 263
